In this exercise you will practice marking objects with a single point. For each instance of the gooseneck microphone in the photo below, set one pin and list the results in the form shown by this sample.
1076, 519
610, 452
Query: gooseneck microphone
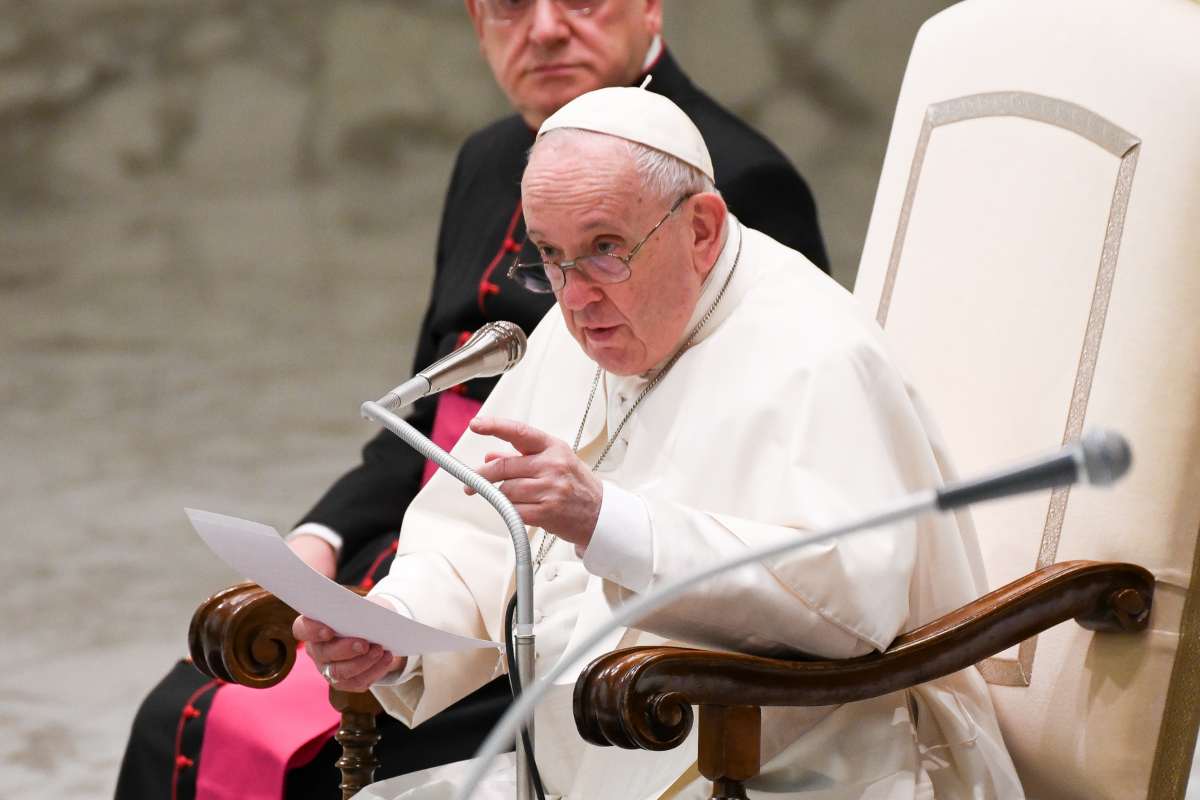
1100, 458
491, 350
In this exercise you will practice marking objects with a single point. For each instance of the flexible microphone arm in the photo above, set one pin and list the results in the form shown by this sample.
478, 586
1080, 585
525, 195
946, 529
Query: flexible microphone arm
520, 538
1100, 458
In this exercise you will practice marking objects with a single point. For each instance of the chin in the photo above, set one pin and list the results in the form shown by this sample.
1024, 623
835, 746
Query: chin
605, 358
552, 94
616, 363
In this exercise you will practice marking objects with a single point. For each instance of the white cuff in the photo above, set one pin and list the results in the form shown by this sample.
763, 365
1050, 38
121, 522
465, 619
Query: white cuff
412, 667
621, 549
321, 532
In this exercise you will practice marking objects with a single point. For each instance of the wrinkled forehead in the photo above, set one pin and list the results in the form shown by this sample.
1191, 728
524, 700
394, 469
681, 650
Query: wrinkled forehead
570, 148
574, 162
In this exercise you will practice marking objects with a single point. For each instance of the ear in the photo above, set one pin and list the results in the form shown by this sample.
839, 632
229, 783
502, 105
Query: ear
653, 16
476, 14
708, 217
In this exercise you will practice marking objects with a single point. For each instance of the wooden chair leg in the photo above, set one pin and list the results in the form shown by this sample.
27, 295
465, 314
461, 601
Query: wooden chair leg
358, 736
729, 748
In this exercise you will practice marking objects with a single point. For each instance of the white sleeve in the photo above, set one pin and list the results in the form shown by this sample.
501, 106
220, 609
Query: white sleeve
320, 531
621, 546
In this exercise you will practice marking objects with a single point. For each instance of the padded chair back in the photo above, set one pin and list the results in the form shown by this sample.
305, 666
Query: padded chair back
1034, 254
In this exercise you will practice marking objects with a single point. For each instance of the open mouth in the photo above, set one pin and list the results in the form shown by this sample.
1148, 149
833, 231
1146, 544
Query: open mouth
600, 334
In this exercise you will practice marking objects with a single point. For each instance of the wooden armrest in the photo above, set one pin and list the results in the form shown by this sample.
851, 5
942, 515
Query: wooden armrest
243, 634
642, 697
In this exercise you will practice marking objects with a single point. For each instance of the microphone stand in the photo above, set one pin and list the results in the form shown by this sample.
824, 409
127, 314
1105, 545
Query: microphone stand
524, 563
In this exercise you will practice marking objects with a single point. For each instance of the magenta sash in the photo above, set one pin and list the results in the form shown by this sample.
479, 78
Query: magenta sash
454, 412
254, 736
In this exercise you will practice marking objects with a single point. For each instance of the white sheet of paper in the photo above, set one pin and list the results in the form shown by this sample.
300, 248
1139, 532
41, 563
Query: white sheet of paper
258, 553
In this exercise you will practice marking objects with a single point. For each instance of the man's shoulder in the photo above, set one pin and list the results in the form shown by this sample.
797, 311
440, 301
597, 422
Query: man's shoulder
759, 182
501, 139
735, 144
728, 135
490, 162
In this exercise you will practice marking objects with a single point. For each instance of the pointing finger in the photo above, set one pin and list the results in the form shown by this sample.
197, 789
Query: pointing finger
526, 438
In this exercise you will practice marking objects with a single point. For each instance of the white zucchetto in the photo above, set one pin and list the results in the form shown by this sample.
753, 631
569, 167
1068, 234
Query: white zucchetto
637, 115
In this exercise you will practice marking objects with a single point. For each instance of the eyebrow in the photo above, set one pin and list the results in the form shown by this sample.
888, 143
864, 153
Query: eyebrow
587, 227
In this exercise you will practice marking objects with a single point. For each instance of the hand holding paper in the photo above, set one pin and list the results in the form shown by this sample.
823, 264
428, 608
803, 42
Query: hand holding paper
257, 552
347, 663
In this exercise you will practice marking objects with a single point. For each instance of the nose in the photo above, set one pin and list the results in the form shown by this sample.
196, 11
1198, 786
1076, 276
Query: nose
578, 292
548, 26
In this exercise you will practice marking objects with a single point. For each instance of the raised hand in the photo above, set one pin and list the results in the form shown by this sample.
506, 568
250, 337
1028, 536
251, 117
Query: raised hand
548, 484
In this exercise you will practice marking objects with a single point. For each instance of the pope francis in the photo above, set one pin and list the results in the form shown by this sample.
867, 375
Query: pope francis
703, 390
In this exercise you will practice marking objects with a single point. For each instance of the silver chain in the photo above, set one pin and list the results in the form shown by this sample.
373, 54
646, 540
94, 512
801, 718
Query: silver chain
548, 539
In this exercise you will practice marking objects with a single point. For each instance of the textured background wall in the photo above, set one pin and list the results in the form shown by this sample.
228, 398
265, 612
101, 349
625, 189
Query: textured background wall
114, 102
216, 232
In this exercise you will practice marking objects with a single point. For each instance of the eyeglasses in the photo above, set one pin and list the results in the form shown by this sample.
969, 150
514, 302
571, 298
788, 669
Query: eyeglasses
505, 12
544, 277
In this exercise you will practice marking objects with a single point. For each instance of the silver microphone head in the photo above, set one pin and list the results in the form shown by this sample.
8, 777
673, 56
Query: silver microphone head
1105, 456
493, 349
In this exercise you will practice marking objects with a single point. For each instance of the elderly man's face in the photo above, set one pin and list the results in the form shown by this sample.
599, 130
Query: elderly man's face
582, 196
547, 56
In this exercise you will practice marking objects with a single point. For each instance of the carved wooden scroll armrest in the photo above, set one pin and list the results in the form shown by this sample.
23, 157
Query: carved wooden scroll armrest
243, 634
642, 697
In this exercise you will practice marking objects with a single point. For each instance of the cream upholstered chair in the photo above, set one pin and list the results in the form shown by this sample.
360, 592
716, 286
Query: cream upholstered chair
1034, 256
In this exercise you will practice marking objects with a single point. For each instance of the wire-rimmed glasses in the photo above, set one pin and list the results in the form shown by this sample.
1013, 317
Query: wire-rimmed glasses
544, 277
506, 12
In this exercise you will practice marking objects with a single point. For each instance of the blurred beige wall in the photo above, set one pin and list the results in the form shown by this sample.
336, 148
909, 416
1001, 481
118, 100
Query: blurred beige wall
105, 100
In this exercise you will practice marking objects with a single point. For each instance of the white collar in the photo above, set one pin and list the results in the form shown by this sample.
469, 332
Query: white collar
652, 53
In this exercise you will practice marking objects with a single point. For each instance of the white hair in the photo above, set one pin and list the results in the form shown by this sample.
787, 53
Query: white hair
661, 173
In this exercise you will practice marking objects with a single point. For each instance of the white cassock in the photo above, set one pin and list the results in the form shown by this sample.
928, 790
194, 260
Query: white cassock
786, 415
